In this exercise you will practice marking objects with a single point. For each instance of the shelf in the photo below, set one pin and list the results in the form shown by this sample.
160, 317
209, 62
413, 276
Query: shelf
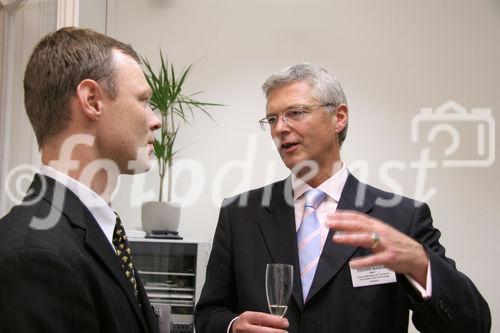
168, 289
172, 303
165, 273
157, 240
171, 296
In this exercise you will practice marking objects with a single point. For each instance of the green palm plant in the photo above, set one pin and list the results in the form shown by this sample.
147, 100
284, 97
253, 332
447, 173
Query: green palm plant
169, 100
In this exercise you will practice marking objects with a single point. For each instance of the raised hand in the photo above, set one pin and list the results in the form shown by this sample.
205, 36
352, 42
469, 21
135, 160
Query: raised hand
391, 248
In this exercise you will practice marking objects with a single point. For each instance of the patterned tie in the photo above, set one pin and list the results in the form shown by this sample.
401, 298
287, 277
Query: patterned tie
123, 252
309, 239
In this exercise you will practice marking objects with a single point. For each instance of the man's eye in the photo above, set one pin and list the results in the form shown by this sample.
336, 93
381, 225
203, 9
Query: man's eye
272, 120
294, 114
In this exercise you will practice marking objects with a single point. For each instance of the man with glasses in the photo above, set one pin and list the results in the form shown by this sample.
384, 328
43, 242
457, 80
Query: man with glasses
362, 257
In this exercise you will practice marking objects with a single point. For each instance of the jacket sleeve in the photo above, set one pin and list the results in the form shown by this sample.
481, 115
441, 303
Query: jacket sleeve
455, 305
218, 301
39, 292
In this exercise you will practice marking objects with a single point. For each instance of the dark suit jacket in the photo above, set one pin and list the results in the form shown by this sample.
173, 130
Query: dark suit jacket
66, 278
258, 227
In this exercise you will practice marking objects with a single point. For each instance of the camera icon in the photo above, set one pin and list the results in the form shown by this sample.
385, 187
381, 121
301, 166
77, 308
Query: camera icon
454, 120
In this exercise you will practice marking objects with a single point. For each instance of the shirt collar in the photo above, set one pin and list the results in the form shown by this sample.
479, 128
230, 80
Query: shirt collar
100, 209
333, 186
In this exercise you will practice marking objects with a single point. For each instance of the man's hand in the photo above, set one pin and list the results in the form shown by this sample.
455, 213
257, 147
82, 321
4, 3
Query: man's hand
259, 322
392, 249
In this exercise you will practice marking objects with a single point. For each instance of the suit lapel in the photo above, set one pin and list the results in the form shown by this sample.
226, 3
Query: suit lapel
278, 230
102, 249
78, 215
335, 256
149, 314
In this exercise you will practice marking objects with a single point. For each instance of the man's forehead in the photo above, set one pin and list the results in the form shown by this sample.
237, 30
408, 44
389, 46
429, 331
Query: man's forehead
127, 66
293, 94
120, 57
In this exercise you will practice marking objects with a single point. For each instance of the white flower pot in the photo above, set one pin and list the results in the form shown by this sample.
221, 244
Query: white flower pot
160, 216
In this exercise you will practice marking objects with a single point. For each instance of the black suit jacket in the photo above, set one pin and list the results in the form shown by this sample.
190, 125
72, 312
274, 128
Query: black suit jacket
258, 227
66, 278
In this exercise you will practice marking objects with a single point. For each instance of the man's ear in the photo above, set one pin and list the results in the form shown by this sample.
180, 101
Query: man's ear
342, 115
90, 98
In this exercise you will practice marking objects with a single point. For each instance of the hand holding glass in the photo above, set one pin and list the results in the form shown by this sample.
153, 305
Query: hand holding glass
279, 286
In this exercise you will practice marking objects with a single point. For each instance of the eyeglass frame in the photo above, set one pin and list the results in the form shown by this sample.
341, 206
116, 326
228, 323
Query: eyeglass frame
305, 110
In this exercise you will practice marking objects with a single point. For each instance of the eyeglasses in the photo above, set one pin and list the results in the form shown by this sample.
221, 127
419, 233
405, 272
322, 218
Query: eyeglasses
292, 115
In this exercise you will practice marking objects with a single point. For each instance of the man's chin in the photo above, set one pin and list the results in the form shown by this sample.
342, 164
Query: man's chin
290, 162
302, 168
137, 167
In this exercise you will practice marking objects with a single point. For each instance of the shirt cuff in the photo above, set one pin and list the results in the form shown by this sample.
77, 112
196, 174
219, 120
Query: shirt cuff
231, 324
426, 292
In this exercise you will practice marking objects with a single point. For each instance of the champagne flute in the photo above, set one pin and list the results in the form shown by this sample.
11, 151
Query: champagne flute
279, 285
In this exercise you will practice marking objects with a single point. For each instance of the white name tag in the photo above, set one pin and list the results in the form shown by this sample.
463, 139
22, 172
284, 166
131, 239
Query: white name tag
370, 276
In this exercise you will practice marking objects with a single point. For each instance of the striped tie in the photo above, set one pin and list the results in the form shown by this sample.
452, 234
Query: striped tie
309, 239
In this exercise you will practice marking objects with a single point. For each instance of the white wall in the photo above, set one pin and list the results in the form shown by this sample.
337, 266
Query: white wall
92, 15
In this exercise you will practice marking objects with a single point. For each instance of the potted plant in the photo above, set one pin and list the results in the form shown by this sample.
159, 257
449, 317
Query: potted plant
174, 107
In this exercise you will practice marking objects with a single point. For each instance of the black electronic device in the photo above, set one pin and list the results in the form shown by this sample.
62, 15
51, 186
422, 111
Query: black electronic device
163, 234
172, 272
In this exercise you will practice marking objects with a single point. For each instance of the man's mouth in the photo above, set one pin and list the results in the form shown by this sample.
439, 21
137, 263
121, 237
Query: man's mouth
150, 147
288, 145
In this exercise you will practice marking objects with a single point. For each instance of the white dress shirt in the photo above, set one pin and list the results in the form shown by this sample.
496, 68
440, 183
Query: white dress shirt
100, 209
332, 187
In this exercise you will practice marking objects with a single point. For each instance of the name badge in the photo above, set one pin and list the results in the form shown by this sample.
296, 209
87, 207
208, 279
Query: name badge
369, 276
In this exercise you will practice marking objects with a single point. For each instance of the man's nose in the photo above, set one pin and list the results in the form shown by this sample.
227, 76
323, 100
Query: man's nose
155, 121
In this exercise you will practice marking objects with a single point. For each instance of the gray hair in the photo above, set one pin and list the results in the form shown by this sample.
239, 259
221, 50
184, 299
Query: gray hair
324, 86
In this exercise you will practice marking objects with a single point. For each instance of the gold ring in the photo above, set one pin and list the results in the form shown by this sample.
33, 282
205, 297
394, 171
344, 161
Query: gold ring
376, 240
